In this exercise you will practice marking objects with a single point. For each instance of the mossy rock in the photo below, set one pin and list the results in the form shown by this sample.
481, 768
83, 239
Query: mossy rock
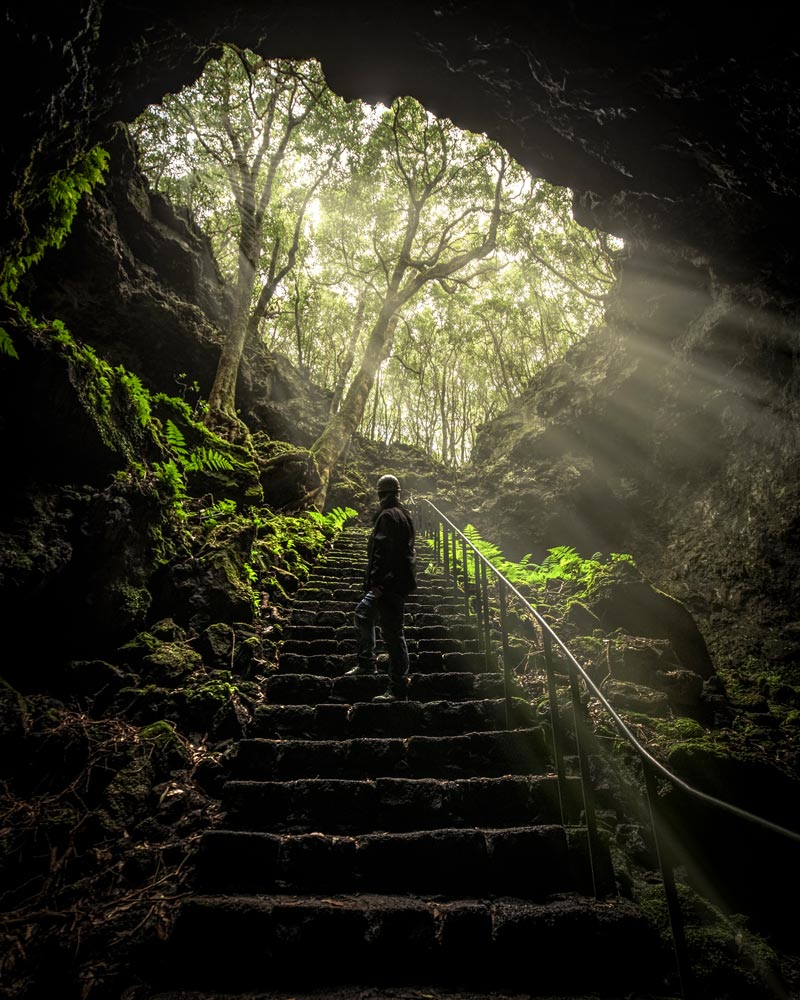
636, 698
289, 479
170, 664
146, 643
167, 748
625, 599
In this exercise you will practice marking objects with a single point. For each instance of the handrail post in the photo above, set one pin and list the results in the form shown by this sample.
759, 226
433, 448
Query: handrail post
487, 633
670, 890
465, 564
503, 600
478, 602
446, 546
555, 726
583, 764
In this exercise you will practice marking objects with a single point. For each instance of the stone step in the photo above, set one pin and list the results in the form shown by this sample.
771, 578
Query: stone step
343, 631
233, 944
341, 614
339, 805
342, 593
341, 647
410, 718
444, 613
529, 862
489, 754
312, 689
423, 663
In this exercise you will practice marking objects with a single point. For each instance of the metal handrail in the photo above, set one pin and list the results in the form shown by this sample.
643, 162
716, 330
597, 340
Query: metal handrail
650, 766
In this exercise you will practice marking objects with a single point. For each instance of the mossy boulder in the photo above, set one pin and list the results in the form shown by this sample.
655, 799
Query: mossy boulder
639, 660
198, 591
171, 664
167, 749
635, 698
625, 599
162, 655
224, 647
146, 758
288, 474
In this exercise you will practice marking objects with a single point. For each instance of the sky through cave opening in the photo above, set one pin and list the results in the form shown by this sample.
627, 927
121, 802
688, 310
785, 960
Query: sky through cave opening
413, 270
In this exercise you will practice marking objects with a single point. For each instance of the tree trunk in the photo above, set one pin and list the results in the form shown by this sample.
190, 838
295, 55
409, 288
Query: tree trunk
333, 441
221, 416
350, 353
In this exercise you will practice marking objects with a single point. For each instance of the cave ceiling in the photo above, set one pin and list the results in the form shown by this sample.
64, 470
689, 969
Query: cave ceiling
675, 125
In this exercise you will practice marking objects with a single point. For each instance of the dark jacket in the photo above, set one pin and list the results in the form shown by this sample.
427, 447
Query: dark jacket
391, 558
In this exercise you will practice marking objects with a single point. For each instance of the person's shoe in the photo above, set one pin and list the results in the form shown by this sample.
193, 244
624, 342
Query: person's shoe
390, 696
360, 670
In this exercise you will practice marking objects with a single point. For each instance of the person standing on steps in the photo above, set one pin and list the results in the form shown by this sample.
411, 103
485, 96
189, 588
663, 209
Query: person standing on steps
389, 579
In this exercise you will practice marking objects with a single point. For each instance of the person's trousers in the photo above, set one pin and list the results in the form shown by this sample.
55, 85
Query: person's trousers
387, 612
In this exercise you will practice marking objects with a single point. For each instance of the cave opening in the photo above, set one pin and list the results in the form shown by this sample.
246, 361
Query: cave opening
340, 215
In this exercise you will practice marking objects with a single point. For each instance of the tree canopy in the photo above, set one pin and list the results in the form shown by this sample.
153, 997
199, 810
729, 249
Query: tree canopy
411, 268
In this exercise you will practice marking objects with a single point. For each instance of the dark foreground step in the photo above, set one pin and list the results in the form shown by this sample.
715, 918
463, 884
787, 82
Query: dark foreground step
363, 991
341, 805
404, 718
521, 751
568, 944
530, 862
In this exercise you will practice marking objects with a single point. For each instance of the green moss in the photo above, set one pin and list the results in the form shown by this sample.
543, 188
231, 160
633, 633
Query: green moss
164, 742
48, 211
134, 601
792, 719
212, 693
170, 663
725, 958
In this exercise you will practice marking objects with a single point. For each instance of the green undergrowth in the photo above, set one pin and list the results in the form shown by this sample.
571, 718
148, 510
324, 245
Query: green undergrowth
47, 213
284, 547
563, 579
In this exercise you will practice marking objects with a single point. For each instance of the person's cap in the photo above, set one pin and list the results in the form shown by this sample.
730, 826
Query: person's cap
388, 484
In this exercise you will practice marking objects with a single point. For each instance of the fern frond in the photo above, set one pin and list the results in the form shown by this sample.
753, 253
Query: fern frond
176, 442
207, 459
6, 344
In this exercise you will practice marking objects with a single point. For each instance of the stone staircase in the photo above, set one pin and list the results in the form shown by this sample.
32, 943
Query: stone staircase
410, 843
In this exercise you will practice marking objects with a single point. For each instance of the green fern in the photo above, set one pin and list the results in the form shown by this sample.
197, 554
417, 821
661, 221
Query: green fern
7, 344
57, 205
199, 460
176, 443
206, 459
578, 575
139, 396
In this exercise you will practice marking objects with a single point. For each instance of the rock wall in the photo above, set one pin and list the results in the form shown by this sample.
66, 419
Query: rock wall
671, 433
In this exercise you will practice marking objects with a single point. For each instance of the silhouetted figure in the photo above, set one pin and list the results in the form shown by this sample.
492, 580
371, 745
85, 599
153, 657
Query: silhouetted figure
389, 579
